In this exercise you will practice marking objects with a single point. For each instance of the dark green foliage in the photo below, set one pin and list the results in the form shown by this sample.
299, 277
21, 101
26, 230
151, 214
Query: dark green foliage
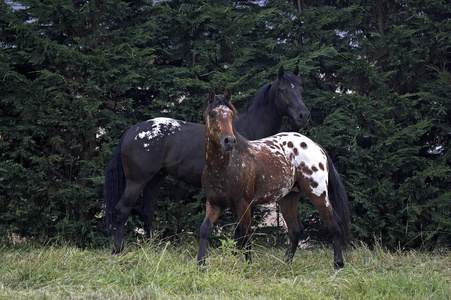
385, 126
75, 74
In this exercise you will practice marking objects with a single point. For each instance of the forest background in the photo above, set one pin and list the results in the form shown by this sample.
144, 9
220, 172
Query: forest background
74, 75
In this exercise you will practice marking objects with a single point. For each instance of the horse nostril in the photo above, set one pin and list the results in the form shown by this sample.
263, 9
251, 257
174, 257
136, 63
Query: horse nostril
305, 116
230, 140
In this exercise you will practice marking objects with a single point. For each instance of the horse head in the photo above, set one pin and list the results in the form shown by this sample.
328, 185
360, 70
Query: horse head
289, 96
218, 118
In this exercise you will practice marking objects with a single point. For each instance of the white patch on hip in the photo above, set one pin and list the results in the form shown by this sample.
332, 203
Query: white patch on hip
171, 125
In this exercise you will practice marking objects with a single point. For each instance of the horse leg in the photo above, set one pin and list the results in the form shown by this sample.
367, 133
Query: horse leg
289, 208
239, 235
150, 196
211, 216
242, 237
326, 212
338, 254
123, 208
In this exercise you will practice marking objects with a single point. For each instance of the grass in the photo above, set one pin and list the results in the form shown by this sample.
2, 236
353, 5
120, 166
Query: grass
168, 270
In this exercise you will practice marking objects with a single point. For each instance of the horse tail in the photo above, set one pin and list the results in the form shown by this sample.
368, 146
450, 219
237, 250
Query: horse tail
339, 200
114, 186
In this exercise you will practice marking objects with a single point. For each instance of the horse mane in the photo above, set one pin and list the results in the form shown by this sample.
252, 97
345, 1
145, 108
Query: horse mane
242, 144
262, 94
260, 98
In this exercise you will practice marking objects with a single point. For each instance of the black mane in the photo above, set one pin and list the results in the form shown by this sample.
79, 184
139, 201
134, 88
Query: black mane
262, 94
260, 98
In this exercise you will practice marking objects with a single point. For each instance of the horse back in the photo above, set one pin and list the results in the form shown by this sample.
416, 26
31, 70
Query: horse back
165, 145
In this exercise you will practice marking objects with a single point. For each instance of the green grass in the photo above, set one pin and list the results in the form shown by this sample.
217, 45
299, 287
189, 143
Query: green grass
168, 270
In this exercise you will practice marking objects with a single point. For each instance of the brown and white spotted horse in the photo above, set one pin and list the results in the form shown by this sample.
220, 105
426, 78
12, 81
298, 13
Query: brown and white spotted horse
240, 173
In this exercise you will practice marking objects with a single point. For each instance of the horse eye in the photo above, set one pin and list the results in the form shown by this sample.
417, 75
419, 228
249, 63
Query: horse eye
283, 91
212, 115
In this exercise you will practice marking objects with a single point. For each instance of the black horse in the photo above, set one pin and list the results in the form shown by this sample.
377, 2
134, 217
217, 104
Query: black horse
149, 150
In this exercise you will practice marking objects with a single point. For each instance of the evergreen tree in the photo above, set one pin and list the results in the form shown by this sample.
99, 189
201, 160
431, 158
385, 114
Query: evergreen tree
66, 66
380, 119
75, 74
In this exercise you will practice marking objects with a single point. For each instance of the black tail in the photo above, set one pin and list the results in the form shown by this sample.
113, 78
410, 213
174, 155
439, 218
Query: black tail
114, 186
339, 200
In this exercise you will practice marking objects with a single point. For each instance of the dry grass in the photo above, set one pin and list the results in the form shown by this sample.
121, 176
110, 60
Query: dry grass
168, 270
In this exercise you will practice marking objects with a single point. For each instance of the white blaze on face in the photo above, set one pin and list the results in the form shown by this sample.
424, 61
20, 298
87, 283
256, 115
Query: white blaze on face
292, 86
223, 112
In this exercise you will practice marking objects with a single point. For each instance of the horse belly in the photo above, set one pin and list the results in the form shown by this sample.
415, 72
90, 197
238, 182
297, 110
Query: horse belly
185, 161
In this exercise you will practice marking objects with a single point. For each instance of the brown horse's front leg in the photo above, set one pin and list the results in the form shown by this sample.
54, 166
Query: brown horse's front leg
212, 215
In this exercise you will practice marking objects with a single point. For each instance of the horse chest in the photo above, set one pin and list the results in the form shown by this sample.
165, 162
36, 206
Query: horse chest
225, 180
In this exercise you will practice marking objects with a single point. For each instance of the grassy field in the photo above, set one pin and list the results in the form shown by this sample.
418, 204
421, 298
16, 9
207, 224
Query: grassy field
167, 270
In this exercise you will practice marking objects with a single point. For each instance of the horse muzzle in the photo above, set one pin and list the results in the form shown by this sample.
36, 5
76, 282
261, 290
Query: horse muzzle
227, 143
302, 119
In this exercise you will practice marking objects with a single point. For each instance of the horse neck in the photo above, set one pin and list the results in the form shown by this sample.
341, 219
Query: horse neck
220, 160
215, 157
260, 119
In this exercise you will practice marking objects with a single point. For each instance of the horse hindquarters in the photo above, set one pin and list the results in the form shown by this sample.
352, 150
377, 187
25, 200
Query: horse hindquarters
140, 168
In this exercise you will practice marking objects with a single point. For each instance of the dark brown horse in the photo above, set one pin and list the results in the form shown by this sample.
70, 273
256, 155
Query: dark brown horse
240, 173
149, 150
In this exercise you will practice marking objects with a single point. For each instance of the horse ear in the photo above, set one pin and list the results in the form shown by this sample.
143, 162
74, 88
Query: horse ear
281, 72
228, 95
296, 70
211, 96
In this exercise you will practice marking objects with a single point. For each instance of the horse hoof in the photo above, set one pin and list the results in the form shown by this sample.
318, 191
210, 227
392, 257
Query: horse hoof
338, 265
288, 260
116, 251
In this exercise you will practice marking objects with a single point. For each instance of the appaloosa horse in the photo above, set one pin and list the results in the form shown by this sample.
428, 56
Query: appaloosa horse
240, 173
149, 150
